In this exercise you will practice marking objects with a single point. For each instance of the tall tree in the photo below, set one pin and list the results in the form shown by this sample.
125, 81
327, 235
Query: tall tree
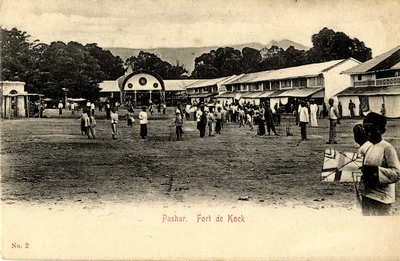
222, 62
330, 45
112, 66
72, 67
294, 57
228, 61
274, 59
251, 59
16, 54
150, 61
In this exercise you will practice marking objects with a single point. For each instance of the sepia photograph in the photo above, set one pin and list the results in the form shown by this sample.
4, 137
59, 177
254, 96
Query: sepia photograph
200, 130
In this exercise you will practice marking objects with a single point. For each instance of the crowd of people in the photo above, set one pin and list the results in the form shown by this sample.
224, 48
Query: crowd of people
380, 169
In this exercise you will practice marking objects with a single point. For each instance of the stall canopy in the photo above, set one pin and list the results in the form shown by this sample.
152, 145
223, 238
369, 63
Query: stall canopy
203, 95
226, 95
300, 93
76, 99
265, 94
250, 95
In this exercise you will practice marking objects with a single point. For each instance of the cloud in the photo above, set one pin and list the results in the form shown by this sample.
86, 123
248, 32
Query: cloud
184, 23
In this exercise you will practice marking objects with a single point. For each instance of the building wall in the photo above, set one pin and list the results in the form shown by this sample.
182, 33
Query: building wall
336, 82
10, 86
134, 83
12, 106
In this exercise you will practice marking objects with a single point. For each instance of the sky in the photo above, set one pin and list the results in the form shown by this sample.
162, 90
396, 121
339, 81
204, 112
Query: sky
198, 23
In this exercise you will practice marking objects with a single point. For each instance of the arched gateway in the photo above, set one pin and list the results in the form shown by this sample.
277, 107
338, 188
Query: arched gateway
142, 88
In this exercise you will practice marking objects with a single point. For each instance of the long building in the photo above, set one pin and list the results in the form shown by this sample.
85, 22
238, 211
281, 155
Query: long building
318, 81
373, 83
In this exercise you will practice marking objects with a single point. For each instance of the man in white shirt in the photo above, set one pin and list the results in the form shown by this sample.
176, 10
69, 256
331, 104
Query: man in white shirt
313, 113
381, 168
60, 107
143, 122
303, 117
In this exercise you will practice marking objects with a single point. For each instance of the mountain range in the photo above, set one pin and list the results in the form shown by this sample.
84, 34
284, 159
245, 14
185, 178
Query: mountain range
186, 56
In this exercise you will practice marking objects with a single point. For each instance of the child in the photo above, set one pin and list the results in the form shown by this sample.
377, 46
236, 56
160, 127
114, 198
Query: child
129, 117
143, 122
381, 168
249, 121
178, 125
114, 123
90, 124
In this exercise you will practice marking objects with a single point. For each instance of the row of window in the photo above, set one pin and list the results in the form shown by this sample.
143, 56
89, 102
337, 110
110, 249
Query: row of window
378, 75
277, 85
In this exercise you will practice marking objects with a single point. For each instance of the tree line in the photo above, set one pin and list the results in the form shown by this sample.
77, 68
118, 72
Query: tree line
49, 69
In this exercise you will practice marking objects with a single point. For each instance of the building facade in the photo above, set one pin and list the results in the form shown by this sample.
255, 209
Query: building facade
15, 102
283, 87
374, 83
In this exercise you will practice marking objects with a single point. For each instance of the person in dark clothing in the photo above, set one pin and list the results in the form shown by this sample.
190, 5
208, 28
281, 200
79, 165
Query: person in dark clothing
269, 119
340, 108
202, 123
261, 121
352, 106
108, 110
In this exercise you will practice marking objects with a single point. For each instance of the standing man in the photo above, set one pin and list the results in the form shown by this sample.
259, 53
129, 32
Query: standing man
383, 110
92, 107
114, 123
60, 107
72, 108
313, 113
261, 121
303, 117
381, 168
202, 121
320, 111
108, 110
351, 108
333, 121
143, 122
340, 108
88, 104
269, 119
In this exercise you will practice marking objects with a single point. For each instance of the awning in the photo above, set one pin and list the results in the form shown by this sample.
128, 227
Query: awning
276, 93
371, 91
76, 99
300, 93
319, 94
202, 95
251, 95
226, 95
265, 94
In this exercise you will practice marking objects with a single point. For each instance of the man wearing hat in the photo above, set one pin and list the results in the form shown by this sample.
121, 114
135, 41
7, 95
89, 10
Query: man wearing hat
381, 168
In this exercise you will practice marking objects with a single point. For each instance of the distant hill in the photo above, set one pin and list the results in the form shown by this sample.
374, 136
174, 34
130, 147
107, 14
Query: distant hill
186, 56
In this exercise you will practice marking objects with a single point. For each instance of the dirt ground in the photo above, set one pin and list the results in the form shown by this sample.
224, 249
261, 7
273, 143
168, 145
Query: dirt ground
48, 161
